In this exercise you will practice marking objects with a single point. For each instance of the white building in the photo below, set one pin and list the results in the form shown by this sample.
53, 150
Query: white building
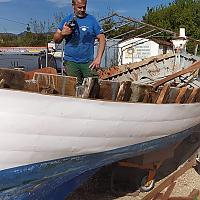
137, 49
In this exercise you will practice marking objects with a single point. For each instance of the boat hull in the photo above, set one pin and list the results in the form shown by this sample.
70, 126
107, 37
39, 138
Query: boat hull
36, 128
48, 143
56, 179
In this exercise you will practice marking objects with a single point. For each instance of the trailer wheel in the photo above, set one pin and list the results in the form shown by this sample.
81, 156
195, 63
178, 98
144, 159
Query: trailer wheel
147, 186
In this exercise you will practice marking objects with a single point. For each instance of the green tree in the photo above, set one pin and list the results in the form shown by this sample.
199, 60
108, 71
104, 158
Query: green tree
179, 13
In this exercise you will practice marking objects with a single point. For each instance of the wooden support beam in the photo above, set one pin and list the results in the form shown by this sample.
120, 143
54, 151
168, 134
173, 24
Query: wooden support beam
188, 164
167, 194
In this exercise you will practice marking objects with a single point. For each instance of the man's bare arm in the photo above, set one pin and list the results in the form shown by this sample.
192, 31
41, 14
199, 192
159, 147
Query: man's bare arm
97, 61
60, 35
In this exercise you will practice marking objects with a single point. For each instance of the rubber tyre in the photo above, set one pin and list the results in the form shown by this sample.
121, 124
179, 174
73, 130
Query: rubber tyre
146, 188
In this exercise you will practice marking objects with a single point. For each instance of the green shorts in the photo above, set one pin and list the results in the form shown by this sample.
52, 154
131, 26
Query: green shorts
79, 70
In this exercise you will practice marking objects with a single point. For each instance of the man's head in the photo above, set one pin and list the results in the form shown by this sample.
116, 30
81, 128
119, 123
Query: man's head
79, 7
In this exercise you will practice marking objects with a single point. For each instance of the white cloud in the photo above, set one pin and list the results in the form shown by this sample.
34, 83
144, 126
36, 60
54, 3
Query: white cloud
60, 3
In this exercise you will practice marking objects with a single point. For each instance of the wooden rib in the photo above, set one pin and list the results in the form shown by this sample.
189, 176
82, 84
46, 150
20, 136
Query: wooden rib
163, 94
181, 94
193, 95
191, 68
123, 91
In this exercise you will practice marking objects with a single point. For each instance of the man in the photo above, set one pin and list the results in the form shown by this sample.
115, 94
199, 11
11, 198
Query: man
79, 47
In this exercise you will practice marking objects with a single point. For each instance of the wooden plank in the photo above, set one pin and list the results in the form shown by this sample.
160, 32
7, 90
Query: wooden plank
168, 181
191, 68
181, 94
124, 91
163, 94
193, 95
13, 79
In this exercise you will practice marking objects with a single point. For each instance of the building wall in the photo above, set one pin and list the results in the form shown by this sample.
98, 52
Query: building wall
137, 49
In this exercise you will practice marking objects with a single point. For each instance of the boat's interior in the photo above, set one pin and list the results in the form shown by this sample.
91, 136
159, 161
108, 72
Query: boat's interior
47, 81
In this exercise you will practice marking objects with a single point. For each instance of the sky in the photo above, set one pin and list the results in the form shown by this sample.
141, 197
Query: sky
16, 14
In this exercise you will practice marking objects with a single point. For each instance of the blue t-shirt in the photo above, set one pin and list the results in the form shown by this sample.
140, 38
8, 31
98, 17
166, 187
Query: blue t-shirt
79, 46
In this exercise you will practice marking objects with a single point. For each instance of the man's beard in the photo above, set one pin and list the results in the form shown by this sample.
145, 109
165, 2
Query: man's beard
81, 14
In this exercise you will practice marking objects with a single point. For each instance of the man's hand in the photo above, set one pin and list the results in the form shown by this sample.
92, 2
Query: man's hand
60, 35
66, 30
95, 64
97, 61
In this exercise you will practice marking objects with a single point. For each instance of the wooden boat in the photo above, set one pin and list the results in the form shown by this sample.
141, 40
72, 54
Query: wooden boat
151, 69
54, 136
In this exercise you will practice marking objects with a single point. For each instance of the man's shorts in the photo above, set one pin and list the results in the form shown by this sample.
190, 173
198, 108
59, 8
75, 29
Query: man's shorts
79, 70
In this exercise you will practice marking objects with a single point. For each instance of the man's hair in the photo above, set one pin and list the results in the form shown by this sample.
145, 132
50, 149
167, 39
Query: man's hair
74, 2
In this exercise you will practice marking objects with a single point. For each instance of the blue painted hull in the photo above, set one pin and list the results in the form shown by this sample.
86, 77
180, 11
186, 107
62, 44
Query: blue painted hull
54, 180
